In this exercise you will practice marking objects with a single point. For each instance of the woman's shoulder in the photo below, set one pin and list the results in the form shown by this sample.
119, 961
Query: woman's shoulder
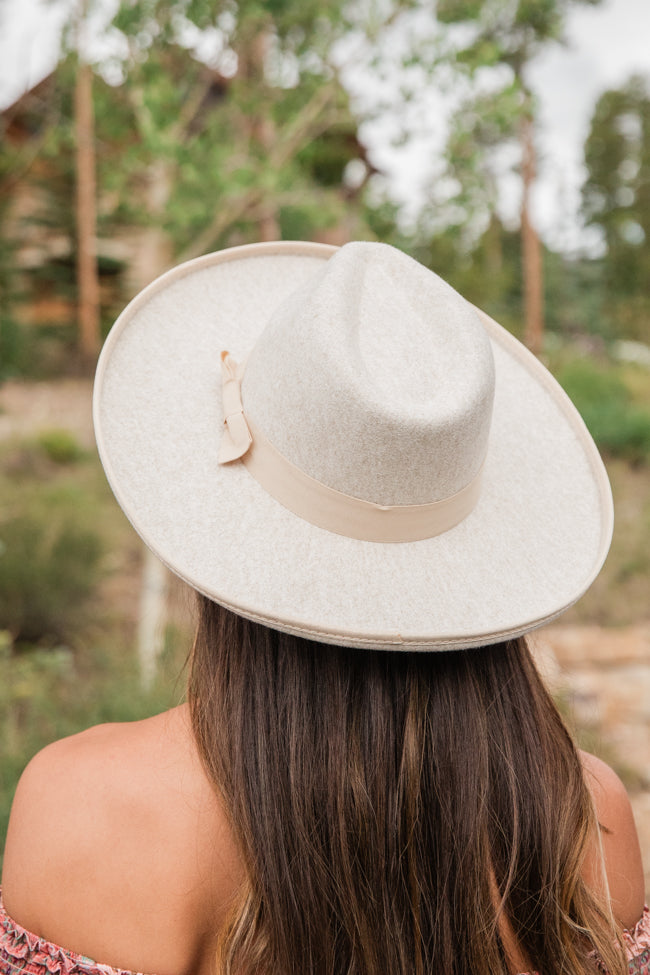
116, 835
75, 791
618, 839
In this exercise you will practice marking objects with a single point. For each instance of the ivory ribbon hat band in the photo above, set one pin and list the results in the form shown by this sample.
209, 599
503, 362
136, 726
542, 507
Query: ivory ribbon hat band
316, 502
334, 443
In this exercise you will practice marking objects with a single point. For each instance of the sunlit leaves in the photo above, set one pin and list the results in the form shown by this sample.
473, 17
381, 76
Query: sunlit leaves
616, 199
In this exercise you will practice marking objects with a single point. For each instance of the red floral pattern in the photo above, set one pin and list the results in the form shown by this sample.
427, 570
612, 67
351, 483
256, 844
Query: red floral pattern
637, 945
24, 953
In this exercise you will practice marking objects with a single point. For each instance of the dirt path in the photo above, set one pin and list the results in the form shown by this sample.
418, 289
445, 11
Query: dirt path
604, 674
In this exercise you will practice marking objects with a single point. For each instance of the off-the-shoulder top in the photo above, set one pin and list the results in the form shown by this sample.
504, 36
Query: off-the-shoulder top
24, 953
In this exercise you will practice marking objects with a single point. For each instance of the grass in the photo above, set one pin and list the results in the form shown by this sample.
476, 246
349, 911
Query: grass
51, 547
60, 446
49, 568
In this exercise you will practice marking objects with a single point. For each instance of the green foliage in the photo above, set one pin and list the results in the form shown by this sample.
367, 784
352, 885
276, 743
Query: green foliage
60, 446
453, 11
37, 232
50, 546
220, 123
508, 33
498, 42
479, 129
14, 355
210, 152
574, 299
616, 199
14, 351
617, 154
301, 221
487, 273
49, 567
325, 159
617, 424
544, 19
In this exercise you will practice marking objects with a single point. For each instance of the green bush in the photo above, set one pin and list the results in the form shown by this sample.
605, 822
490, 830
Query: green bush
49, 567
61, 446
14, 350
617, 424
620, 430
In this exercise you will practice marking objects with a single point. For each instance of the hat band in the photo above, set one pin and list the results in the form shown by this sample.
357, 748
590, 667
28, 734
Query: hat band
324, 506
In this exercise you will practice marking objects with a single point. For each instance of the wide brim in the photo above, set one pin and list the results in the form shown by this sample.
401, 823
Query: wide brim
531, 547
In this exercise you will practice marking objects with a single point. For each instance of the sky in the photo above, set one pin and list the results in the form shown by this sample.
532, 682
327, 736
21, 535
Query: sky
604, 46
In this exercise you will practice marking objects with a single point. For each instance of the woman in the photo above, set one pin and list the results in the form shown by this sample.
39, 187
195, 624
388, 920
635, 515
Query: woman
396, 475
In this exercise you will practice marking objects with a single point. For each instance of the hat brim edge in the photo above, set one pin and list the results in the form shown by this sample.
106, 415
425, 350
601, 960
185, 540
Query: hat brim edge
337, 635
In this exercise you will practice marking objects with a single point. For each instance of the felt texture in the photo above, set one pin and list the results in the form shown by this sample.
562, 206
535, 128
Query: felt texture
376, 379
530, 548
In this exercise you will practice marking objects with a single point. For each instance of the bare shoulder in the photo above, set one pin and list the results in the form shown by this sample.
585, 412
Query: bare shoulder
54, 815
619, 840
115, 835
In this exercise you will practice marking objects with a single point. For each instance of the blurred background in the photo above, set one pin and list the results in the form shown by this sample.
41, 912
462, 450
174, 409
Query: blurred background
505, 144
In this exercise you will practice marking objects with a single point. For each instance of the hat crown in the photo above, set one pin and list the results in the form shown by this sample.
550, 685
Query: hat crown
375, 378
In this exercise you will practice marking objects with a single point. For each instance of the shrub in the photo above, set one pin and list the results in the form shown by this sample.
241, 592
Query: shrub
49, 567
13, 346
617, 424
60, 446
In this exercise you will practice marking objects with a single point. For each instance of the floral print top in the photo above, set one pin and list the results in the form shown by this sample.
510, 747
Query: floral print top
24, 953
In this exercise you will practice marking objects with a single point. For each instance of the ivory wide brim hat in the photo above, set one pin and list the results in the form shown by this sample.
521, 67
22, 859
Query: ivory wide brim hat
394, 469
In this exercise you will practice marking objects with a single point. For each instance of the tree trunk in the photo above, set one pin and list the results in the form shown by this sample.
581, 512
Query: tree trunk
252, 55
531, 252
87, 274
153, 254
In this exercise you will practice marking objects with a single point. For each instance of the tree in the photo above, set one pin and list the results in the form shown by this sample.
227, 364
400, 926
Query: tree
39, 241
220, 123
37, 236
503, 35
222, 150
616, 200
86, 202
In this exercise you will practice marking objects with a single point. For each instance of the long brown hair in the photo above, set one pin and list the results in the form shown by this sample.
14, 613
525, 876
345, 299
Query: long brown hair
394, 810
